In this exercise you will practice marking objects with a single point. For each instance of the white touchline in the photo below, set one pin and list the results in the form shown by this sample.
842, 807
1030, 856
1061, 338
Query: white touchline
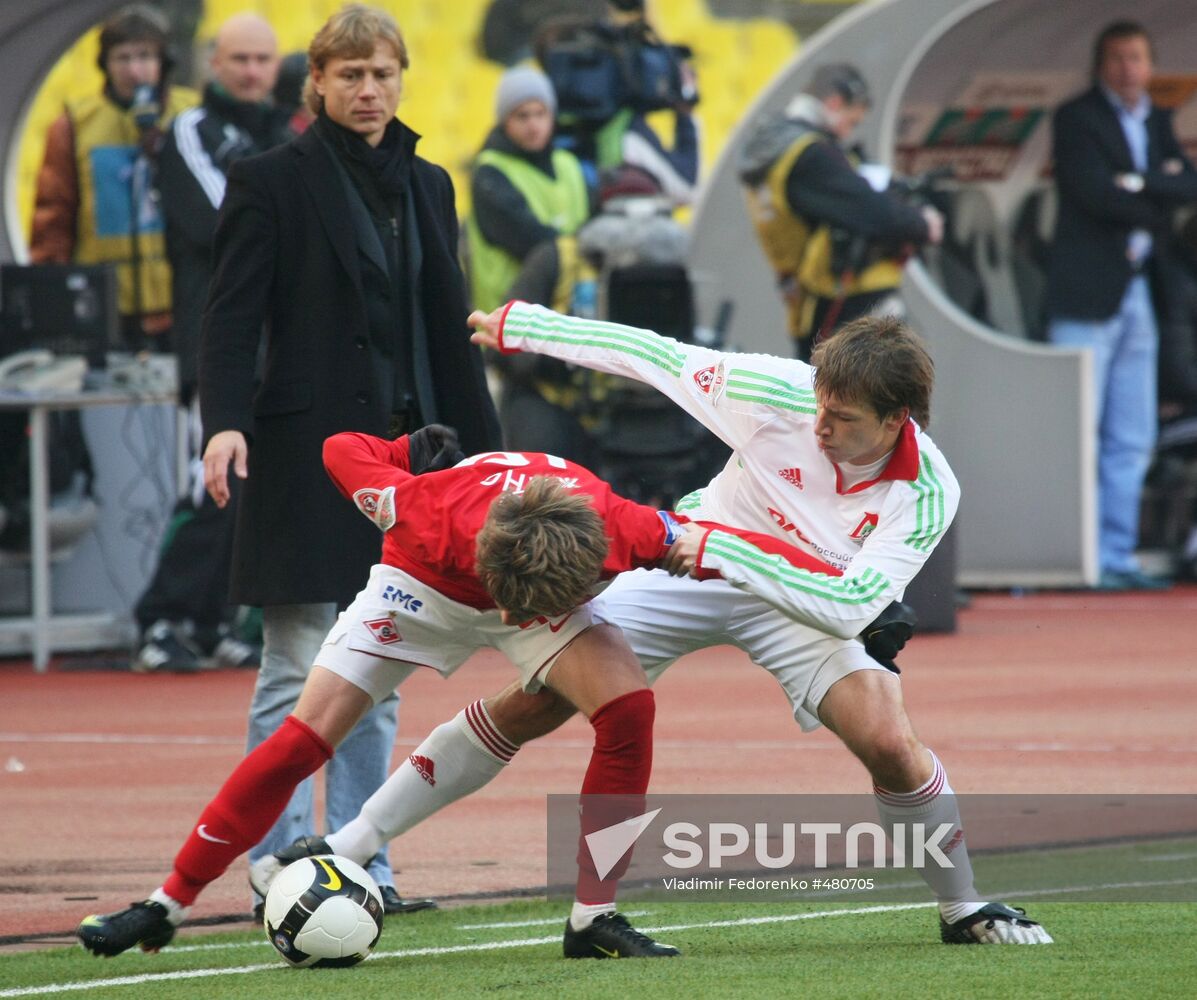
153, 977
532, 923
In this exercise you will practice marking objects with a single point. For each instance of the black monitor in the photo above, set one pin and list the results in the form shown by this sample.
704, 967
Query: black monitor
652, 296
64, 308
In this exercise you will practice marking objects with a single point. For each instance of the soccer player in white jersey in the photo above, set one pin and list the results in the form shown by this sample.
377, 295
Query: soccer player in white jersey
501, 550
832, 459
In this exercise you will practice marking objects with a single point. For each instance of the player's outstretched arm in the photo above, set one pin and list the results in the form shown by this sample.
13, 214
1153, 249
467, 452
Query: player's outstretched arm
883, 638
709, 385
840, 605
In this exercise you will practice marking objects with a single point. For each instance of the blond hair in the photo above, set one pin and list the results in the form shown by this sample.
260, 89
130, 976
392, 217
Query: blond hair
351, 33
540, 552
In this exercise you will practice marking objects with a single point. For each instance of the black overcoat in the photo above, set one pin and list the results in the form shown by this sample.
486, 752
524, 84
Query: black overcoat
287, 270
1088, 269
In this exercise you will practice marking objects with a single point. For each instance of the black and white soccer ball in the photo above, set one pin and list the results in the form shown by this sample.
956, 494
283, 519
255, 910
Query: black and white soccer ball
324, 911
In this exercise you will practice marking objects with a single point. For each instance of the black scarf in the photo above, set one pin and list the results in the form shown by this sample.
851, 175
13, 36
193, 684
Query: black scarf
381, 173
264, 121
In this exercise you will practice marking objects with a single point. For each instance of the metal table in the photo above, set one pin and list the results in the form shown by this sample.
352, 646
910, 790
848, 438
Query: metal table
46, 630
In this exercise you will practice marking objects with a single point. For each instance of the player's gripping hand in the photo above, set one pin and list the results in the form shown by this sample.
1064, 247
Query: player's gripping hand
885, 636
432, 448
681, 559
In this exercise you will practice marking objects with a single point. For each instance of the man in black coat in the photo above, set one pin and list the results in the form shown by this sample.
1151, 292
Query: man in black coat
1119, 173
342, 245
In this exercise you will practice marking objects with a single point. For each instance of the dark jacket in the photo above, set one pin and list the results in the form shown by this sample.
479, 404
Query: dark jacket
1178, 334
201, 147
824, 187
287, 258
1088, 268
501, 211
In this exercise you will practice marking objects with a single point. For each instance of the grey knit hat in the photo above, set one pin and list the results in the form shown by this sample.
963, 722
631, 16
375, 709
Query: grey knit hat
523, 83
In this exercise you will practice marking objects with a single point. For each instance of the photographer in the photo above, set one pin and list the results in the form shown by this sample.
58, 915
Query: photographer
837, 245
608, 76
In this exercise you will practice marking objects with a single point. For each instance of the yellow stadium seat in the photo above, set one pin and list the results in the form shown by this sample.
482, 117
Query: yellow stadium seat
772, 47
679, 20
450, 95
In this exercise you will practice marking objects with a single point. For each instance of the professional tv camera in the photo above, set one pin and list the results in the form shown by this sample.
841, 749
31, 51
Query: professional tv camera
601, 67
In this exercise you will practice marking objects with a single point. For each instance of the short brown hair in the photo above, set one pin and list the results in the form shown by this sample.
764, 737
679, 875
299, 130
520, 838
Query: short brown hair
879, 362
541, 551
135, 23
351, 33
1117, 31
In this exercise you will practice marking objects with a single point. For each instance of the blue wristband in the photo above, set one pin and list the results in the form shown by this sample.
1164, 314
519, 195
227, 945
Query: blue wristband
673, 530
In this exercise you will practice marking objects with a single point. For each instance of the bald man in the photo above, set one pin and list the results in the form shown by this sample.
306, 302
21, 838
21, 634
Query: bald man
183, 614
237, 118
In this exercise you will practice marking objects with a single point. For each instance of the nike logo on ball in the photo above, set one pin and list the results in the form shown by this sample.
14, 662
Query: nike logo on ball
202, 831
334, 880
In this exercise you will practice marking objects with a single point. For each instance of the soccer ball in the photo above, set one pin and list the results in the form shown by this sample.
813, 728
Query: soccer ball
323, 911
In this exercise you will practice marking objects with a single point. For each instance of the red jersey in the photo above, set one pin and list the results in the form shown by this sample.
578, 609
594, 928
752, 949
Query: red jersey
431, 520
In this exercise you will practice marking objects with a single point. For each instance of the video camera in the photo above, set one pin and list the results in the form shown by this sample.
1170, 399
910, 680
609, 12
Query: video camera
852, 252
598, 68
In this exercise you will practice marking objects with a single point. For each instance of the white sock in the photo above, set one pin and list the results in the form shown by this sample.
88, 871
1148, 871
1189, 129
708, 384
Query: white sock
932, 804
176, 913
457, 758
583, 914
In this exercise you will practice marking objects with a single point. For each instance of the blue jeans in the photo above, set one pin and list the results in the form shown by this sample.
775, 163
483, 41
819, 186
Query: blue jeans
1124, 361
291, 638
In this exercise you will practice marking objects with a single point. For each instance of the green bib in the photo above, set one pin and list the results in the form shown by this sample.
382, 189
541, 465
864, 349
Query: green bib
560, 201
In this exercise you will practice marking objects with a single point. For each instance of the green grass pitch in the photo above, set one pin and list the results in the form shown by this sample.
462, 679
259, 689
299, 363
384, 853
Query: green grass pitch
760, 950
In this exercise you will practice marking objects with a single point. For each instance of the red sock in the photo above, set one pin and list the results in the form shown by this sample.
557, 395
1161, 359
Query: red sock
619, 770
246, 806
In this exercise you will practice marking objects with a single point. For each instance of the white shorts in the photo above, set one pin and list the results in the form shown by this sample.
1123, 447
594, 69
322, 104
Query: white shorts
397, 623
664, 617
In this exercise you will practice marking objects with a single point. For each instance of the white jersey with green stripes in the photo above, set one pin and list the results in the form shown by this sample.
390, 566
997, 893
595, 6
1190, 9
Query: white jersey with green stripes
777, 481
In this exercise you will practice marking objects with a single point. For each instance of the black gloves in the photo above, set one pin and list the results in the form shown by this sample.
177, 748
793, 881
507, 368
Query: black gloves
434, 447
885, 636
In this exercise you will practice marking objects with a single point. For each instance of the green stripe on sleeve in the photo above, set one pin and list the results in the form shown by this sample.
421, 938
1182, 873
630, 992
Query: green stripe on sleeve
768, 390
642, 344
930, 510
851, 590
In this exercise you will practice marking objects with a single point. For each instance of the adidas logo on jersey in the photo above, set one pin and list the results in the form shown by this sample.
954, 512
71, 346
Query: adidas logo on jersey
792, 476
424, 767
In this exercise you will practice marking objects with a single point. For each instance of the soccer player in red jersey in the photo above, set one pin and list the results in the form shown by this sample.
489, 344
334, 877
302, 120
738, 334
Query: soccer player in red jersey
502, 550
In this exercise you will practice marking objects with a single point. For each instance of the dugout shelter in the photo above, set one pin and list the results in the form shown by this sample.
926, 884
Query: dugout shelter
972, 84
